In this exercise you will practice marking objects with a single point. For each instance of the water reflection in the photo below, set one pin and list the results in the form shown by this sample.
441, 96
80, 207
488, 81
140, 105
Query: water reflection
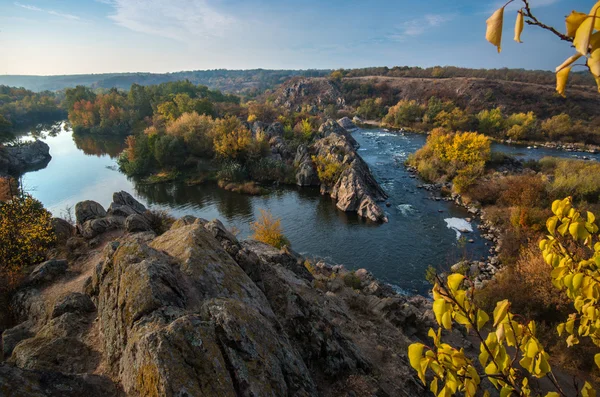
99, 145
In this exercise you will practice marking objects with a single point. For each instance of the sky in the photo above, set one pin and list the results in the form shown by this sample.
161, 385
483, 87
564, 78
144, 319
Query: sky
50, 37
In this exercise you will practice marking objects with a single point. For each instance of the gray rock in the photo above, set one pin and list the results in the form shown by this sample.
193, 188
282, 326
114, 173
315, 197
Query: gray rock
18, 382
73, 302
11, 337
62, 229
17, 159
347, 124
88, 210
137, 223
96, 227
123, 198
48, 271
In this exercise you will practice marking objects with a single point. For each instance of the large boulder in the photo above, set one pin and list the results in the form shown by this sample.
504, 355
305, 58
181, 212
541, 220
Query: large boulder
28, 156
63, 230
48, 271
88, 210
95, 227
137, 223
125, 205
347, 124
332, 127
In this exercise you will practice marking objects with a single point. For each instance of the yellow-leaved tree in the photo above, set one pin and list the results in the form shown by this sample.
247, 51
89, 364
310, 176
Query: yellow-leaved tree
582, 30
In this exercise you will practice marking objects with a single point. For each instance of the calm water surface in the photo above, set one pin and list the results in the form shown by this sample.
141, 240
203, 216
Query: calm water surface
398, 252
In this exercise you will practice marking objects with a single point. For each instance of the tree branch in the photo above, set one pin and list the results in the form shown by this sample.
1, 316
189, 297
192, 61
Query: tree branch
536, 22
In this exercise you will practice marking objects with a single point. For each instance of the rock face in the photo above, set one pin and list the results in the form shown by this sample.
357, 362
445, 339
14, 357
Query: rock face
15, 160
316, 92
88, 210
196, 312
355, 190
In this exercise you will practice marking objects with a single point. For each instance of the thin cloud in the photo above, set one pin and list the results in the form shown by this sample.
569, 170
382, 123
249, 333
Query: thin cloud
28, 7
51, 12
518, 4
183, 20
419, 26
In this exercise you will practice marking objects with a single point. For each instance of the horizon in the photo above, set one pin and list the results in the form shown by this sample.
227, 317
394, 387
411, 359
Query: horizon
61, 38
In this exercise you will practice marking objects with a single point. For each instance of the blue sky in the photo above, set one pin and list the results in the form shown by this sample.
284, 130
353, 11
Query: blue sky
95, 36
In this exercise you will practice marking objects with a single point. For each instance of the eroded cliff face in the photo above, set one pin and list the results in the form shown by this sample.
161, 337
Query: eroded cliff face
196, 312
15, 160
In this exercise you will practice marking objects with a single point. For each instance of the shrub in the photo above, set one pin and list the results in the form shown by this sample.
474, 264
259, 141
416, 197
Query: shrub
268, 230
271, 170
329, 169
454, 120
196, 131
446, 156
159, 220
26, 234
304, 130
576, 178
351, 280
521, 126
557, 127
371, 108
491, 122
232, 171
231, 138
404, 114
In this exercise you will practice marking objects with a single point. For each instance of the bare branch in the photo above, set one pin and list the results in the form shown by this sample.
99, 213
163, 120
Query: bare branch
536, 22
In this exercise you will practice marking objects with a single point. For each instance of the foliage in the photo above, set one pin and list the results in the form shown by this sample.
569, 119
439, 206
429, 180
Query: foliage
371, 108
583, 30
159, 220
231, 138
196, 131
404, 114
268, 230
329, 169
521, 126
571, 253
575, 178
232, 171
304, 130
491, 122
25, 235
21, 108
447, 156
454, 120
557, 126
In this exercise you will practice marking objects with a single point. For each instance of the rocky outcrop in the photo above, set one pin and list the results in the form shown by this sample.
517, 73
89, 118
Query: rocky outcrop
306, 174
88, 210
15, 160
305, 92
197, 312
356, 190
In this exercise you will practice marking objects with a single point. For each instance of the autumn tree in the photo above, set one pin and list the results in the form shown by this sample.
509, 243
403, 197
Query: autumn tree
267, 229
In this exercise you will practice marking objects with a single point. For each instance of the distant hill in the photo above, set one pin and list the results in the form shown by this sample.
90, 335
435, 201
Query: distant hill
472, 94
232, 81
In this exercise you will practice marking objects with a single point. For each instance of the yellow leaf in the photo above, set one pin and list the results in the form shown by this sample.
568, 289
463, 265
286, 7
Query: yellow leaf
598, 82
454, 281
439, 307
519, 26
500, 311
583, 35
574, 20
561, 83
568, 62
447, 320
597, 360
482, 318
415, 353
594, 59
552, 394
493, 33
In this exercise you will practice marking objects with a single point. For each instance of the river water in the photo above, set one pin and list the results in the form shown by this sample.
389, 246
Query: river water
421, 231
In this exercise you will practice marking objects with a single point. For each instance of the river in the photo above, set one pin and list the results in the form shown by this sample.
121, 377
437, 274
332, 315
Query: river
418, 234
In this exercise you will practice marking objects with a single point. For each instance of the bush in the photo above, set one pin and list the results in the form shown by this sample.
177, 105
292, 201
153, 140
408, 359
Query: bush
26, 234
232, 171
159, 220
521, 126
271, 170
231, 138
557, 127
268, 230
196, 131
404, 114
579, 179
491, 122
371, 108
454, 120
446, 156
329, 169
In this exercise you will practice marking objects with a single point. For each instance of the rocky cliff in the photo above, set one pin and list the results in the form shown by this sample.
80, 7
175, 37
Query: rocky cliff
197, 312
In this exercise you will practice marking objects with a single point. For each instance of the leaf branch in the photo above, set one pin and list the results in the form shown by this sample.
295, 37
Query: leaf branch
536, 22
